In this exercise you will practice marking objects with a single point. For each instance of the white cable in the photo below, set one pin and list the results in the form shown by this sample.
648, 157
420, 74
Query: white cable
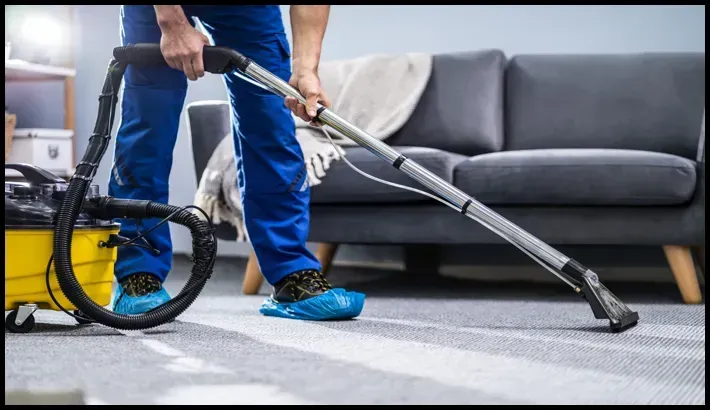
450, 205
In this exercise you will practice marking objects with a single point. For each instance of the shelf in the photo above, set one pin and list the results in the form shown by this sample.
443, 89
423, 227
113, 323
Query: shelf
56, 133
18, 70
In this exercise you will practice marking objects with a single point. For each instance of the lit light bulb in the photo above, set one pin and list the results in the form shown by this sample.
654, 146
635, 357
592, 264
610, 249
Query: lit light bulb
42, 31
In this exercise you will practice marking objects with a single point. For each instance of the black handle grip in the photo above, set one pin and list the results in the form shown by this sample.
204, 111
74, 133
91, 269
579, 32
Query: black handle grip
36, 175
217, 60
140, 54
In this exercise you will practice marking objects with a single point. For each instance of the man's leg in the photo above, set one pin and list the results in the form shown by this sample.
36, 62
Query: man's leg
271, 168
152, 102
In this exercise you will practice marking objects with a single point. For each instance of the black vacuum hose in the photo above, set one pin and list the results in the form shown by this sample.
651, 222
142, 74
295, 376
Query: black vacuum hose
203, 240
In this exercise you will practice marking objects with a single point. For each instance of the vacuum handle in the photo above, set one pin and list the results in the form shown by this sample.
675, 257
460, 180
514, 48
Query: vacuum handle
36, 175
217, 60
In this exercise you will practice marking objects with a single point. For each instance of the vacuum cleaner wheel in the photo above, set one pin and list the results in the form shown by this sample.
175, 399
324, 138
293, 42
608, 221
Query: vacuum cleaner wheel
25, 325
81, 318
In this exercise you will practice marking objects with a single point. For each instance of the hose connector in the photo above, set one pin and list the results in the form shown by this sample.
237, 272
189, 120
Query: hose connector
107, 208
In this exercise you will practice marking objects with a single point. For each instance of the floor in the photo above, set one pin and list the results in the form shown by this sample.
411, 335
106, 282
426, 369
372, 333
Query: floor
441, 342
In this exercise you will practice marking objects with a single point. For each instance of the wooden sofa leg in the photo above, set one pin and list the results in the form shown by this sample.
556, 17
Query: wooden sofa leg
683, 267
252, 277
325, 254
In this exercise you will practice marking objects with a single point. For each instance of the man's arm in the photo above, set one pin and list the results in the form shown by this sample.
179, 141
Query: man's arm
308, 24
170, 16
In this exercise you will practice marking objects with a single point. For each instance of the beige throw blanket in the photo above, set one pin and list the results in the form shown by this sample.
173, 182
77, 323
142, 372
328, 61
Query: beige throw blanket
377, 93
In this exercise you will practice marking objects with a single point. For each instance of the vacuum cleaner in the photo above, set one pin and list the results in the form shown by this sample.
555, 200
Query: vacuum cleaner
83, 246
220, 60
61, 236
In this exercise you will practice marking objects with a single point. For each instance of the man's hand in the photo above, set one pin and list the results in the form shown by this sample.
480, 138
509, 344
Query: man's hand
182, 49
181, 44
306, 81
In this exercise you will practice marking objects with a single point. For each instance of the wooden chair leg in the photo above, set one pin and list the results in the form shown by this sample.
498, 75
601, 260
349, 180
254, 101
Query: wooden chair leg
682, 265
325, 254
252, 277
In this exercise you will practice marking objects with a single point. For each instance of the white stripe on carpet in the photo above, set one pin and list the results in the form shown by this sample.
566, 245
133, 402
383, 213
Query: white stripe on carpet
243, 394
624, 344
512, 378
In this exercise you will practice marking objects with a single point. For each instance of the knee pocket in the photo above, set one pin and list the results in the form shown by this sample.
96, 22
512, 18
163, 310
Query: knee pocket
275, 180
276, 200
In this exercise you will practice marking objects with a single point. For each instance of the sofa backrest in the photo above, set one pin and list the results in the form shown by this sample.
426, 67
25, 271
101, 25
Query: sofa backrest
651, 101
208, 122
461, 109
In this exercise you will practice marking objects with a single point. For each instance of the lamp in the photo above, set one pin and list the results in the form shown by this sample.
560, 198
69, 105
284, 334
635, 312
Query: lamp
39, 38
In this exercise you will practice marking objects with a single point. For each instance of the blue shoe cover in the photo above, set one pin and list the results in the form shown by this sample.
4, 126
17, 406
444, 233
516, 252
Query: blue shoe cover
335, 304
135, 305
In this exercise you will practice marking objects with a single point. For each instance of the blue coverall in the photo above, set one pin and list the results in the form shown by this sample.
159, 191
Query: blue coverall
271, 168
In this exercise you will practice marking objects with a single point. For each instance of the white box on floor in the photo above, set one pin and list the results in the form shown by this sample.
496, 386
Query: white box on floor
49, 149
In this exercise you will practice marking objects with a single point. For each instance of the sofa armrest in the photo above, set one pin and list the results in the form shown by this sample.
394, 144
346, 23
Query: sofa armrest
699, 198
701, 142
701, 161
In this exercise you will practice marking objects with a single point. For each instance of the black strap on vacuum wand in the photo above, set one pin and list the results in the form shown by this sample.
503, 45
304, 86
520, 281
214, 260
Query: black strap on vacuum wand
604, 304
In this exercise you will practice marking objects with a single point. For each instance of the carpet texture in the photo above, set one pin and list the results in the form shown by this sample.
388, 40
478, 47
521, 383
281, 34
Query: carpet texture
439, 343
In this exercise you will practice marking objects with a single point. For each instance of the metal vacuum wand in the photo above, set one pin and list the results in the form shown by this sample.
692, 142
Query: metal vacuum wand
466, 205
604, 304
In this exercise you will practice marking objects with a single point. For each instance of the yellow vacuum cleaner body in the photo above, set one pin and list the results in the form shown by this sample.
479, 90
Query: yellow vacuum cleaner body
30, 213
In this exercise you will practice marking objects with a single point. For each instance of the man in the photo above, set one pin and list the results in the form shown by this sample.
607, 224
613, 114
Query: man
271, 168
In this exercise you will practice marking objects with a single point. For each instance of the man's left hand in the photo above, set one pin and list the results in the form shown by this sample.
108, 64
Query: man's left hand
306, 81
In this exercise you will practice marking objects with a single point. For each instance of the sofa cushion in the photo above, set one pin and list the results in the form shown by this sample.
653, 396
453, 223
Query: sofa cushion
577, 177
461, 109
650, 102
343, 185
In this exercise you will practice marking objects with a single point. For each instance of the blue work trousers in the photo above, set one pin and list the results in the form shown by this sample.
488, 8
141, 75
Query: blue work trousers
271, 169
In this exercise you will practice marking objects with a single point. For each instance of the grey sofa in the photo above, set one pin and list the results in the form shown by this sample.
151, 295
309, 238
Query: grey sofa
575, 149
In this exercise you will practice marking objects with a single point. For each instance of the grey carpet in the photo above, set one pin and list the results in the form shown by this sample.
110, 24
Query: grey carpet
445, 342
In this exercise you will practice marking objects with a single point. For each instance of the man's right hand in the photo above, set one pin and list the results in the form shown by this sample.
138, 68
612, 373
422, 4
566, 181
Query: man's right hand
181, 44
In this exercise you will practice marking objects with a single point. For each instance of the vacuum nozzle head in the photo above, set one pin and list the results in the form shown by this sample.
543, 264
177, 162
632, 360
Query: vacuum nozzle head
605, 305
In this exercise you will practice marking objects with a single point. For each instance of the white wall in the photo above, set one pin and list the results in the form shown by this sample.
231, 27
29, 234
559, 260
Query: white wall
357, 30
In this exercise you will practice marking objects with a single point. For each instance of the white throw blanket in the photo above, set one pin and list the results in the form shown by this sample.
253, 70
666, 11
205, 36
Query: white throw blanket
377, 93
